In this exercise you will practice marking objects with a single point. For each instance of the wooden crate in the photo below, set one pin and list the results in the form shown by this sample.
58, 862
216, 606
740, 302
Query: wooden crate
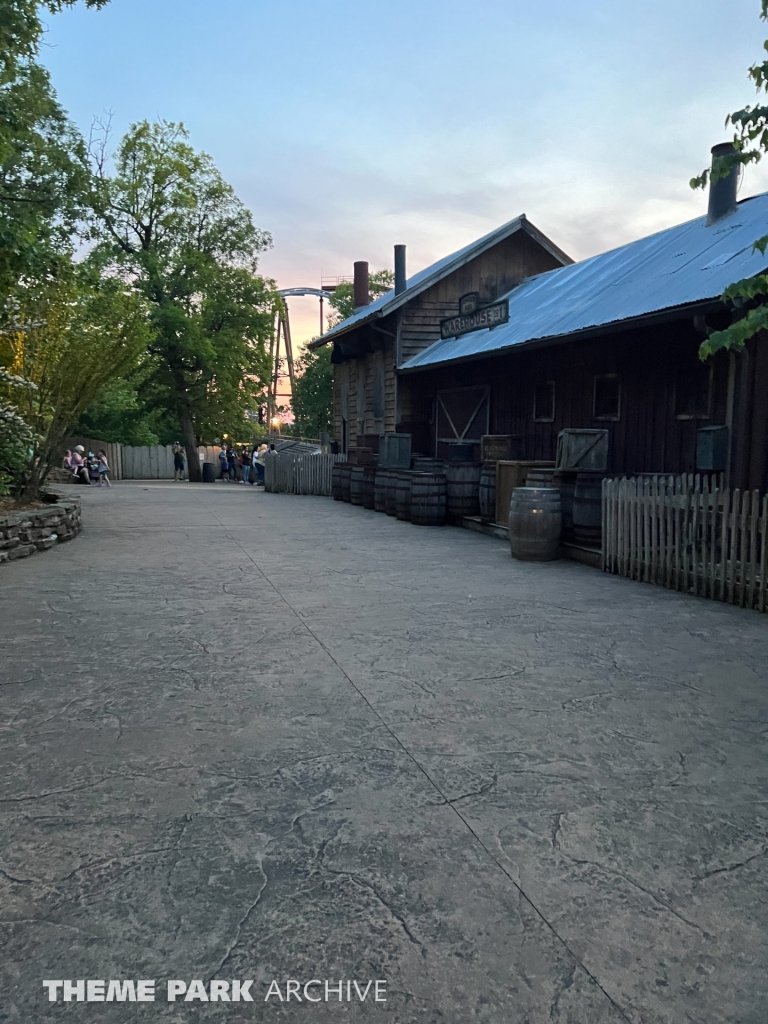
497, 447
509, 475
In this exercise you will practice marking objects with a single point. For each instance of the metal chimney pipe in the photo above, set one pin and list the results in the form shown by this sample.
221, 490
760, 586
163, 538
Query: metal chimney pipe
400, 281
722, 193
362, 298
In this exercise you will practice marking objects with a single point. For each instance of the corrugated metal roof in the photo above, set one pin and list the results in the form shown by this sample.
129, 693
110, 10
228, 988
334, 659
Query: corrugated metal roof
387, 303
686, 264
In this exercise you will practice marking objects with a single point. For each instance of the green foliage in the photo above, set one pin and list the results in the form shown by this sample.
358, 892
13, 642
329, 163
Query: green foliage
343, 298
123, 414
168, 222
73, 336
313, 393
749, 297
44, 177
17, 439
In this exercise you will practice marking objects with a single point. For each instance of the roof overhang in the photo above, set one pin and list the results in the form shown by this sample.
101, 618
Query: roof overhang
425, 279
615, 327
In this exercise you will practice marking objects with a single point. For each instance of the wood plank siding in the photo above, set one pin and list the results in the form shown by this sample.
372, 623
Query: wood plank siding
492, 274
374, 352
651, 432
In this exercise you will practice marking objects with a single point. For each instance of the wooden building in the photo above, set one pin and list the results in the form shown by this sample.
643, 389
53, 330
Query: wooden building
370, 347
610, 342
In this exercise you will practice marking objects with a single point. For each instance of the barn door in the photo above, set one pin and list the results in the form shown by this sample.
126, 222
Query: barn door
462, 416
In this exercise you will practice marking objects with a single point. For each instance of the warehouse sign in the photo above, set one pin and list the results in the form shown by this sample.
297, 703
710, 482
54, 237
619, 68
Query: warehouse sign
485, 317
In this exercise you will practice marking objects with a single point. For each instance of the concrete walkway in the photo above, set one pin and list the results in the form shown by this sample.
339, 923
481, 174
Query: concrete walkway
252, 736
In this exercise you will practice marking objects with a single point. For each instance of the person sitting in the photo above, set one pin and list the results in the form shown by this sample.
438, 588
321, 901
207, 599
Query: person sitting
77, 465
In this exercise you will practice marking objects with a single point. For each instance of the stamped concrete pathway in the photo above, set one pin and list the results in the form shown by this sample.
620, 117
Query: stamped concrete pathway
250, 736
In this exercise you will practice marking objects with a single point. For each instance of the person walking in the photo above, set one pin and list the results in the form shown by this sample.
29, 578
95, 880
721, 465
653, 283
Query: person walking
224, 465
245, 466
103, 469
178, 461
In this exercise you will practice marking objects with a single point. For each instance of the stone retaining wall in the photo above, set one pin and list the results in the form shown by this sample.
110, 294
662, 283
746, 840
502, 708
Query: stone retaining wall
24, 533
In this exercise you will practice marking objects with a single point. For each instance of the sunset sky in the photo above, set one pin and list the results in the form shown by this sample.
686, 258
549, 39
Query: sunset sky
349, 127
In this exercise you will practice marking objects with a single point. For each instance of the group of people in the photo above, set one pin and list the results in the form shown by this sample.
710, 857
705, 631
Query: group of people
245, 466
88, 469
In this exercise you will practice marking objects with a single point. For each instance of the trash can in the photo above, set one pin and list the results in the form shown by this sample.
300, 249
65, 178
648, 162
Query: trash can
209, 473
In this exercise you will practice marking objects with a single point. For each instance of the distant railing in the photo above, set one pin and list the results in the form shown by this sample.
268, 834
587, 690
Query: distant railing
687, 534
299, 474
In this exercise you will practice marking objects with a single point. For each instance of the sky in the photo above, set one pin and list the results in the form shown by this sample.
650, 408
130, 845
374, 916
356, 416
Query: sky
349, 127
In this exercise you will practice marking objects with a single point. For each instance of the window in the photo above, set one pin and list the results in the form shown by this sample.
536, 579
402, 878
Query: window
544, 402
692, 391
607, 402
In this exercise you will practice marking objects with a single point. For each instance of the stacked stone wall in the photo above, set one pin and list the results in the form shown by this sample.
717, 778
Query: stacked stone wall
24, 533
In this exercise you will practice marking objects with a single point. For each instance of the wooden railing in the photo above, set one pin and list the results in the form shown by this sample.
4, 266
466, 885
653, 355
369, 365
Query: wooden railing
300, 474
688, 534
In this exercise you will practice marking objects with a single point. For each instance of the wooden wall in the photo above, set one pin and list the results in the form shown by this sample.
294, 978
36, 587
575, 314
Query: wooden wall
416, 326
648, 436
492, 274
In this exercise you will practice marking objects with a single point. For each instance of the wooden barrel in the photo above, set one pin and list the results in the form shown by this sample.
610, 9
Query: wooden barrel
487, 492
380, 490
391, 495
356, 485
565, 481
422, 464
588, 509
428, 499
369, 484
403, 495
462, 480
336, 480
535, 523
346, 471
540, 476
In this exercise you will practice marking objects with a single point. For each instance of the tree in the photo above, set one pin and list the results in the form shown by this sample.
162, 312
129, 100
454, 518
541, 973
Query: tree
168, 222
43, 162
748, 297
313, 393
73, 336
17, 438
343, 298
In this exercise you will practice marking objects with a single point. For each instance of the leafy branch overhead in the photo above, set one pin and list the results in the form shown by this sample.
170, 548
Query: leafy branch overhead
748, 298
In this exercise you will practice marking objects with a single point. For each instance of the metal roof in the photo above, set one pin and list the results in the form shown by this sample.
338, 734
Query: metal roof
686, 264
387, 303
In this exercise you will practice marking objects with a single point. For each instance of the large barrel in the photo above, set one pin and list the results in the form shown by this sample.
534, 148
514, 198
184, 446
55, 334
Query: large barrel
565, 481
346, 472
428, 499
422, 464
487, 492
209, 473
403, 495
369, 483
540, 476
391, 496
462, 480
588, 509
356, 485
535, 523
380, 490
336, 480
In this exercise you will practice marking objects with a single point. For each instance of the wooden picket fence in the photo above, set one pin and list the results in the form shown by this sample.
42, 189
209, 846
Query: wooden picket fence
300, 474
687, 533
